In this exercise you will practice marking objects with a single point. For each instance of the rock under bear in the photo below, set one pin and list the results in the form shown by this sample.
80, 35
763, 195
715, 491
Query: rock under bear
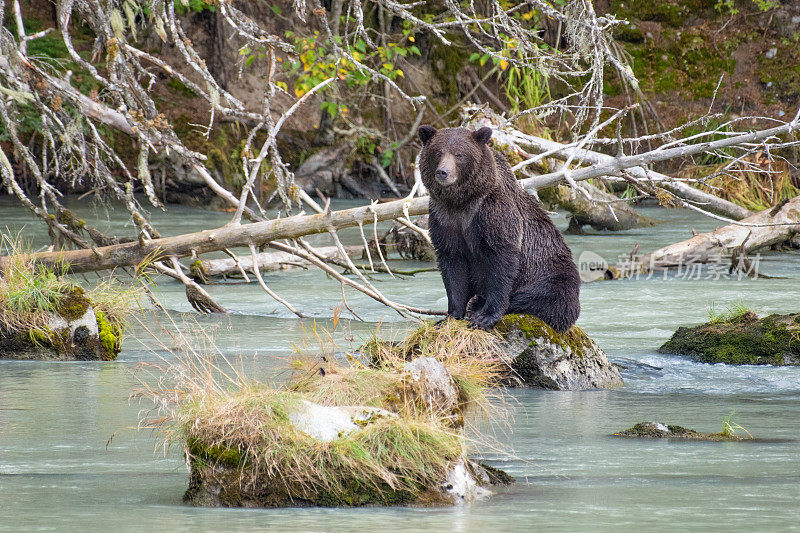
497, 250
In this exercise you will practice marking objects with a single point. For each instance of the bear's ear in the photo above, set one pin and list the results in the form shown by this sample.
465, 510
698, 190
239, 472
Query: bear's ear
426, 133
483, 135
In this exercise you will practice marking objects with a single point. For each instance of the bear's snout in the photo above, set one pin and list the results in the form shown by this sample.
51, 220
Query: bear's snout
446, 172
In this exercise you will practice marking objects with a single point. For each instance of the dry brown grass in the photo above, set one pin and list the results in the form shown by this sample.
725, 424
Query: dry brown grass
470, 355
207, 405
757, 184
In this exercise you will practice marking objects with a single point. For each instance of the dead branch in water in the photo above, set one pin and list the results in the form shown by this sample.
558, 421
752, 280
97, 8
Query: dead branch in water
731, 243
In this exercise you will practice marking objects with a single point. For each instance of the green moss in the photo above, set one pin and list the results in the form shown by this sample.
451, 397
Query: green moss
196, 270
110, 336
215, 453
68, 218
740, 340
687, 58
40, 337
534, 328
73, 302
355, 493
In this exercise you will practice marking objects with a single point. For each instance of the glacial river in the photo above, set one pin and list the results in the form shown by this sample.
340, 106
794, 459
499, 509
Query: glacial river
71, 458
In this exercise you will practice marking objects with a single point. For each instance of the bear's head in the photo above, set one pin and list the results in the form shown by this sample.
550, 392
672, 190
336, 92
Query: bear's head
456, 164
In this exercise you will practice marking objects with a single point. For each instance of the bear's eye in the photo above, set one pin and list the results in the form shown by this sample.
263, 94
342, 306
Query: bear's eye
459, 156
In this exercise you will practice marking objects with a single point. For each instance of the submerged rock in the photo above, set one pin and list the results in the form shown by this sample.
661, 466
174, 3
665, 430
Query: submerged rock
73, 332
543, 358
657, 430
743, 339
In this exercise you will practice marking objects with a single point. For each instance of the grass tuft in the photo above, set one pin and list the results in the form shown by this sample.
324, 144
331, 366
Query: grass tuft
224, 418
735, 311
30, 293
470, 355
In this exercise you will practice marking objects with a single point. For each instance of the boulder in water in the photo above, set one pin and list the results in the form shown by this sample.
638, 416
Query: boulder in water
740, 339
657, 430
544, 358
528, 352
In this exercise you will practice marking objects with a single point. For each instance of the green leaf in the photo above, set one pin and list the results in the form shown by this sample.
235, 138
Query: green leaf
386, 158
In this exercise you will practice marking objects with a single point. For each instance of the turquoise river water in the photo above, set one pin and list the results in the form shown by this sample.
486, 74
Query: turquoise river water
71, 458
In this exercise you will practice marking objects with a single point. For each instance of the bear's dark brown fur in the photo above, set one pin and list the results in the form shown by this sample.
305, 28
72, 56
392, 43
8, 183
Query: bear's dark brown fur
497, 250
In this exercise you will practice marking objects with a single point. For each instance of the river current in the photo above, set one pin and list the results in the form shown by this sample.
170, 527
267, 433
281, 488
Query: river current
71, 458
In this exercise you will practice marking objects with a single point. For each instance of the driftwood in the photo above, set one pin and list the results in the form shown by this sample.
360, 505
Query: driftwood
267, 262
603, 212
766, 228
538, 145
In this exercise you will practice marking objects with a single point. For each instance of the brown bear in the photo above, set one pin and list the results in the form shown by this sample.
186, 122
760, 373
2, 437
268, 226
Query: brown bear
497, 250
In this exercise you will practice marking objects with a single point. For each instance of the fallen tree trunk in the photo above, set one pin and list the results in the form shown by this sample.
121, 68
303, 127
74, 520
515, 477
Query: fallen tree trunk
557, 150
603, 212
771, 226
267, 262
260, 233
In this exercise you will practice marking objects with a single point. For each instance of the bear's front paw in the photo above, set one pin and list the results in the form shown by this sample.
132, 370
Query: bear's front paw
483, 321
474, 305
458, 315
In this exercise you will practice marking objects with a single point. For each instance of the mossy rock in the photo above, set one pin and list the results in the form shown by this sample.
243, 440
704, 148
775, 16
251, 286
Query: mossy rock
740, 340
544, 358
574, 339
217, 480
657, 430
33, 344
75, 332
536, 354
